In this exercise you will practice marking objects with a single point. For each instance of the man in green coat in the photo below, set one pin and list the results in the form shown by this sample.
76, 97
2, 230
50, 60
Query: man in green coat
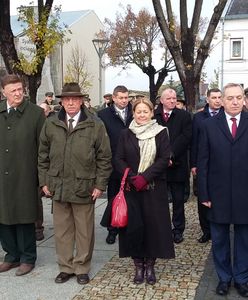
20, 125
74, 167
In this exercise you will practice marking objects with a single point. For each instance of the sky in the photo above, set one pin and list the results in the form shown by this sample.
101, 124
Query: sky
133, 77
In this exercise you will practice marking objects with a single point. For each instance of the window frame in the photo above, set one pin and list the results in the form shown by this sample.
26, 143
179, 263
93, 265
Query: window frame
233, 40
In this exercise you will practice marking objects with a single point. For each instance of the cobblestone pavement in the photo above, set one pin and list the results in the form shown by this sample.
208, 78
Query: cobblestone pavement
178, 278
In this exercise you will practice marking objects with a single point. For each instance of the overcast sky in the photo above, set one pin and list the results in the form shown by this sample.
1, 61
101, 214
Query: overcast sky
132, 78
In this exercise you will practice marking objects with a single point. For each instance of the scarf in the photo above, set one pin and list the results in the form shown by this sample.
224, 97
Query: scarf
146, 133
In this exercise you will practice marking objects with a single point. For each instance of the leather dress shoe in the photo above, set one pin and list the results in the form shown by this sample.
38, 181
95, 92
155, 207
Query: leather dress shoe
24, 269
83, 278
110, 239
6, 266
242, 289
178, 238
63, 277
204, 238
222, 288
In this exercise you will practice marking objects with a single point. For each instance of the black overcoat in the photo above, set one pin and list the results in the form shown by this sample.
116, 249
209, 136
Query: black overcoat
180, 132
148, 233
223, 170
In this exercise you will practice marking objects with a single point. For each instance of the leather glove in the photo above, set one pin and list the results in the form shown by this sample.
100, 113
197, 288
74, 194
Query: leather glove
139, 182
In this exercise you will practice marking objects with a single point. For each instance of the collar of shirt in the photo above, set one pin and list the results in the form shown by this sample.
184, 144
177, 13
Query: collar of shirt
230, 122
167, 112
120, 111
75, 118
211, 111
8, 107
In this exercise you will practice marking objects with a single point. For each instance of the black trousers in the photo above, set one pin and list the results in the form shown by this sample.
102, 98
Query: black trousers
203, 220
178, 217
19, 243
112, 190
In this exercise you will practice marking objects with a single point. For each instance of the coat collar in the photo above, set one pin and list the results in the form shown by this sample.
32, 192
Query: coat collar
243, 125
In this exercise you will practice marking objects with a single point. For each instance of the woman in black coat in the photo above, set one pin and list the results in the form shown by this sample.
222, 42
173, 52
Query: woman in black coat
144, 148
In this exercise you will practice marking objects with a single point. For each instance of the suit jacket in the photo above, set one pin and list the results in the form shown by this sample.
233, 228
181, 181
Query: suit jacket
180, 131
222, 175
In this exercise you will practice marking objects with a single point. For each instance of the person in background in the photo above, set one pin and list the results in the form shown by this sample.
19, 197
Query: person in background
179, 125
116, 117
180, 103
107, 101
20, 125
144, 148
87, 104
222, 177
54, 106
74, 167
212, 108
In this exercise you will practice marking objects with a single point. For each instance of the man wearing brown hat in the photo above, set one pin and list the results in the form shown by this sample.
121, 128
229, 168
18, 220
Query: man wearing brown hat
74, 167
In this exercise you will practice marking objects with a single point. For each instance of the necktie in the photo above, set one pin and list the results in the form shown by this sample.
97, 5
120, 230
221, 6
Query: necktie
166, 116
234, 127
11, 111
213, 113
70, 128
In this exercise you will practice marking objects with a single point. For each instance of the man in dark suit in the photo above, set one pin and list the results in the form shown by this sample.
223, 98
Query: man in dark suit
214, 103
180, 130
222, 187
115, 117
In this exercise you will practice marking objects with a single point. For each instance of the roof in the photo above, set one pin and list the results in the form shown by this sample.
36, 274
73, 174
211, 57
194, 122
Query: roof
67, 18
238, 9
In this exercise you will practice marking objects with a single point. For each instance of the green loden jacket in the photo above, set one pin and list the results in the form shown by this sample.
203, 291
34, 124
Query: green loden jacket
73, 164
19, 142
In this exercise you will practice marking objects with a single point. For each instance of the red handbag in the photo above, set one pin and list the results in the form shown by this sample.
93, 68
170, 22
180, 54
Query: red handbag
119, 215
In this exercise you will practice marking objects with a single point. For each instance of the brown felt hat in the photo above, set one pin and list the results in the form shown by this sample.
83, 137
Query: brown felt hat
71, 89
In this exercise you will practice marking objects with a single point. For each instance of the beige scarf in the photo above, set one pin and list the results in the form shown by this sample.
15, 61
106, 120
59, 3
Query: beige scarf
146, 133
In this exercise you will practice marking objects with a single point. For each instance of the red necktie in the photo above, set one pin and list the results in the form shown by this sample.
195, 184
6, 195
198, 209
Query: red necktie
234, 127
166, 116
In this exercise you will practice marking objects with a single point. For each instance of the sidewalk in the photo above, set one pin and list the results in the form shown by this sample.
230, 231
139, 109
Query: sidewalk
190, 276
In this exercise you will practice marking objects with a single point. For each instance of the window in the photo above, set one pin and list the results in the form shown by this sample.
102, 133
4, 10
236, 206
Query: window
236, 48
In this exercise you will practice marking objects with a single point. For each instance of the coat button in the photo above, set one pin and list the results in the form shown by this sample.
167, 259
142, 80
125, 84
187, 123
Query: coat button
7, 150
6, 173
8, 127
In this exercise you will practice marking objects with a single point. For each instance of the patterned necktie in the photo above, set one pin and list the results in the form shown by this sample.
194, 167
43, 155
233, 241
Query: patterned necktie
213, 113
166, 116
234, 127
70, 128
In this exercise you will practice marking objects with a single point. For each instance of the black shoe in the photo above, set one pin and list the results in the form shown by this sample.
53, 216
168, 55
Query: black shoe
222, 288
110, 239
204, 238
178, 238
83, 278
242, 289
63, 277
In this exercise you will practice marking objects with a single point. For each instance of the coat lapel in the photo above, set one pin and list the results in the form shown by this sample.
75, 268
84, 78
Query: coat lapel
243, 125
222, 123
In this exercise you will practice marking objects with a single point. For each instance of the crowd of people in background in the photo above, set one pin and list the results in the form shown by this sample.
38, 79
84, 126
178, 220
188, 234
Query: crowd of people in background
72, 152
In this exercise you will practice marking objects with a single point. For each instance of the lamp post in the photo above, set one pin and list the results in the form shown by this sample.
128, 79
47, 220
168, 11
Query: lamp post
100, 46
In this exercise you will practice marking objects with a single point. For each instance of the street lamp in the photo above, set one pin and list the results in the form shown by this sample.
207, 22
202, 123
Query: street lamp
100, 46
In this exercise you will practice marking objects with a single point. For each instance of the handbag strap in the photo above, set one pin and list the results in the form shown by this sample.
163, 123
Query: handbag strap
124, 177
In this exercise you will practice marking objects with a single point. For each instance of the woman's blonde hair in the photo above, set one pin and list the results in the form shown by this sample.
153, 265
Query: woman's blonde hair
145, 101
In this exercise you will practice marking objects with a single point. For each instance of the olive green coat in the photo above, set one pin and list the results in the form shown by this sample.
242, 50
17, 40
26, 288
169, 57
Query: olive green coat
19, 138
73, 164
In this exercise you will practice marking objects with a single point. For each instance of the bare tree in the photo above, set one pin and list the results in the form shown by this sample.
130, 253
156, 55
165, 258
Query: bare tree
188, 53
76, 69
133, 40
